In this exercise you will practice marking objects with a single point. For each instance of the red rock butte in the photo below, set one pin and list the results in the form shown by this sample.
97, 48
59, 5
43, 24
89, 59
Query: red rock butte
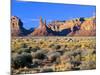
75, 27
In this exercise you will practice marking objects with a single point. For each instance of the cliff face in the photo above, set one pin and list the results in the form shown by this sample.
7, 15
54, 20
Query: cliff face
17, 28
87, 28
76, 27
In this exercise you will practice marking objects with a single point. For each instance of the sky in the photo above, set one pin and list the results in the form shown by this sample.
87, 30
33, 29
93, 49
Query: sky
30, 12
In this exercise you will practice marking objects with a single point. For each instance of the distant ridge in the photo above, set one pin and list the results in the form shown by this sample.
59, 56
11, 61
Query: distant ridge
75, 27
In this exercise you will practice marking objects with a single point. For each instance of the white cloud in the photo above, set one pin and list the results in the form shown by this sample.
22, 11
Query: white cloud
85, 2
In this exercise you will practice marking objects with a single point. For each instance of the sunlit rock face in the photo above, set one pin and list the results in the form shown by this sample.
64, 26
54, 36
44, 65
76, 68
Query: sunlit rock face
74, 27
15, 29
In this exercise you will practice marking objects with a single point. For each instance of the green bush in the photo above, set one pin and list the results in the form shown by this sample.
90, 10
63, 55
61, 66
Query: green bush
40, 55
22, 60
21, 50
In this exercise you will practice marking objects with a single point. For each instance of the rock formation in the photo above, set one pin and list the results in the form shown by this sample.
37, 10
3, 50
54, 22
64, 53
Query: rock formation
17, 28
87, 28
41, 30
75, 27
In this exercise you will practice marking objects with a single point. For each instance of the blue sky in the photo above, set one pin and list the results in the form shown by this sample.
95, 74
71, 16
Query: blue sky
29, 12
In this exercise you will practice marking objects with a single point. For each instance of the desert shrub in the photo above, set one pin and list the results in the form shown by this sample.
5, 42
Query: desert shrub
51, 45
66, 46
56, 46
13, 51
76, 52
61, 51
34, 49
94, 52
22, 60
21, 50
67, 54
88, 65
75, 68
53, 56
47, 70
28, 49
36, 62
84, 53
92, 64
75, 63
41, 42
24, 45
77, 46
40, 55
70, 40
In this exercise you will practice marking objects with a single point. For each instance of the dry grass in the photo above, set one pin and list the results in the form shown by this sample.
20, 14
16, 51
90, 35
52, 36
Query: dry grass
54, 54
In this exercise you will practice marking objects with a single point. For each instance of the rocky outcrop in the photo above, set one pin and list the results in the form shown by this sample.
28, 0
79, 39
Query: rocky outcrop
75, 27
17, 28
42, 30
87, 28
